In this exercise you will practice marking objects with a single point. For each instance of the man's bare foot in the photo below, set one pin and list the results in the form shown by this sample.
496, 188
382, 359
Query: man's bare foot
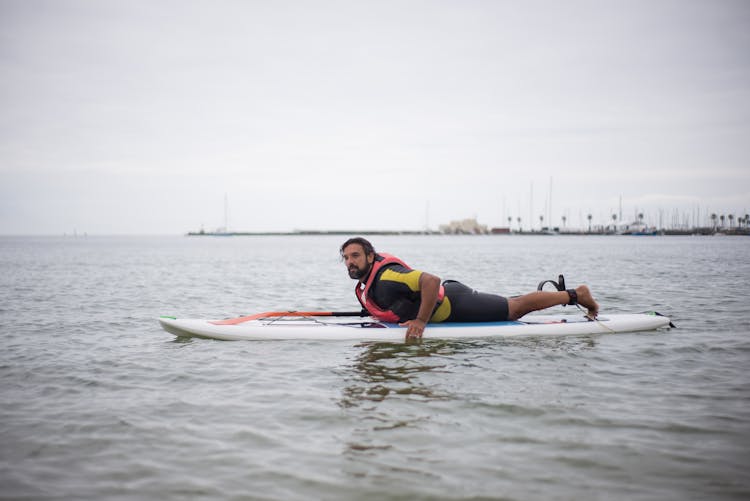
586, 300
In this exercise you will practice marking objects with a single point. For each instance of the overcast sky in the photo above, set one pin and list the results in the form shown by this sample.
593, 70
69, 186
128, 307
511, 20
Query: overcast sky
121, 117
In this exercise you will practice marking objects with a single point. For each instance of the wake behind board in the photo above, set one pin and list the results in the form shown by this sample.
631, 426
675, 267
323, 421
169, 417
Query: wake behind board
329, 327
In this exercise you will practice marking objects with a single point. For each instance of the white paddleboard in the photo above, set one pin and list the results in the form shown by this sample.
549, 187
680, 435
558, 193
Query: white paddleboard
368, 329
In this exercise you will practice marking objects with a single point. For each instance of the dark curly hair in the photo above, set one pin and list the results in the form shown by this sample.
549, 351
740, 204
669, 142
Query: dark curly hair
366, 245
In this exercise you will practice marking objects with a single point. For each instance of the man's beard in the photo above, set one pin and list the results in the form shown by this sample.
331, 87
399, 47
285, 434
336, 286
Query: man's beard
358, 273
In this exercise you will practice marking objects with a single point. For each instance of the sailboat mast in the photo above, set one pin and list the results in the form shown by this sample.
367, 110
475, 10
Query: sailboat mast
226, 214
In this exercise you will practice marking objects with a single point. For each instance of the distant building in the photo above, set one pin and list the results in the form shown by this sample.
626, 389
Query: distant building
464, 227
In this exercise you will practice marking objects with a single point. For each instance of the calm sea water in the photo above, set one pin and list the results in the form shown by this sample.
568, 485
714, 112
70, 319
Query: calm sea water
97, 402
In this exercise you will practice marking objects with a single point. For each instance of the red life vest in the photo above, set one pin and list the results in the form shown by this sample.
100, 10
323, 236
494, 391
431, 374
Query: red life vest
382, 259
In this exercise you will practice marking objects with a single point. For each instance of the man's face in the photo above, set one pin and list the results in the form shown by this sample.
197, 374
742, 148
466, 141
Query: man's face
357, 263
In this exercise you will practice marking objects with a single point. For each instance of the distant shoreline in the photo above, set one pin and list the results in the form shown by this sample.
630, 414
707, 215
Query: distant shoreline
686, 232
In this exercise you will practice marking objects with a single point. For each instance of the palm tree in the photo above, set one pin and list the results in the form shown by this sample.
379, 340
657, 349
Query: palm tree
564, 219
731, 220
519, 224
541, 222
510, 219
722, 220
589, 218
713, 220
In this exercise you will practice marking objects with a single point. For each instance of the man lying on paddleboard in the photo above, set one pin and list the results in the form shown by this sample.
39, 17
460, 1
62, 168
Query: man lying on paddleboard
391, 291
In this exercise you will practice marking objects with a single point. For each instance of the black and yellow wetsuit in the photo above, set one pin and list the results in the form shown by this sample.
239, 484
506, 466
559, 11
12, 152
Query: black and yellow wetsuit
396, 288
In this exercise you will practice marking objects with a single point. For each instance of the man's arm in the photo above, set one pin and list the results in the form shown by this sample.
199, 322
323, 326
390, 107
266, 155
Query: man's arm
429, 286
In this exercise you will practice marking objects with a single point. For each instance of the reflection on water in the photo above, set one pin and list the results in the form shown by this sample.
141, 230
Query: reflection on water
399, 394
562, 344
383, 370
401, 370
385, 380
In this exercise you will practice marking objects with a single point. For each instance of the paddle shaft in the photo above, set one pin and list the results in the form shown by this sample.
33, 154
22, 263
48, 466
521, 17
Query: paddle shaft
271, 314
